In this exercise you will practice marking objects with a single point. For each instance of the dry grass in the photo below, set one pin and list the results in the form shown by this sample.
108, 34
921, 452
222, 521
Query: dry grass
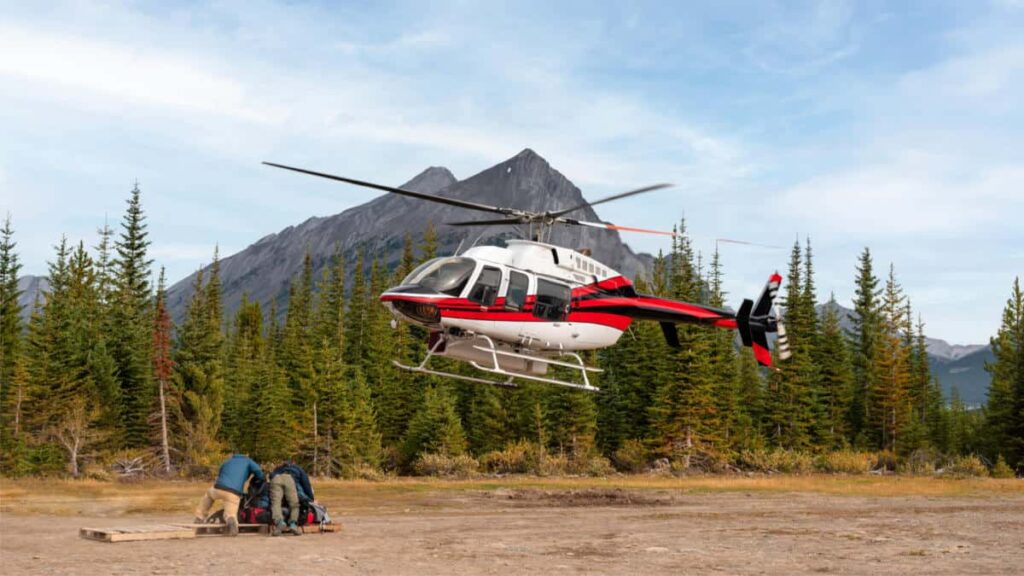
89, 497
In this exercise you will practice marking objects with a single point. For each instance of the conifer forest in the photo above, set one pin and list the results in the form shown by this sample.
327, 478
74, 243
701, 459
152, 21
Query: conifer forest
99, 373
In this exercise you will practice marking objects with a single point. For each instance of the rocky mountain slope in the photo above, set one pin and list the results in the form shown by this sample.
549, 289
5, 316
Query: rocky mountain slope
264, 269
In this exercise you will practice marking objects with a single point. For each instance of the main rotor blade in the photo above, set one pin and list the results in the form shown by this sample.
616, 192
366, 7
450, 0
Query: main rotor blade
499, 222
609, 226
400, 191
613, 197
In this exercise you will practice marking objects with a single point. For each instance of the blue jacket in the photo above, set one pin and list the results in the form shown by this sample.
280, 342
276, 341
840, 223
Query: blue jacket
235, 471
301, 479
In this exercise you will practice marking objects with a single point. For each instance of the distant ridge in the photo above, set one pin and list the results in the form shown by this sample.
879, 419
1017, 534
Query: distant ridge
955, 365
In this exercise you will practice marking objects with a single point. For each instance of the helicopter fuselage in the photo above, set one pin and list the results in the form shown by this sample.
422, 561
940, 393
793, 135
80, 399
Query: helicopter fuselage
529, 294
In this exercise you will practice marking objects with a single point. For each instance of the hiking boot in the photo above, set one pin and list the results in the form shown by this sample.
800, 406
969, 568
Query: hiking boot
232, 527
277, 529
294, 529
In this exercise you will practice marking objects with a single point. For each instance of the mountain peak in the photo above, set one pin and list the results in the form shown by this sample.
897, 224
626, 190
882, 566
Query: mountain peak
431, 180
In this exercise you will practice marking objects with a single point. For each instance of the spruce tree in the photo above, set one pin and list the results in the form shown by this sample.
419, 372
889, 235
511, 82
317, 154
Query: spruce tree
199, 374
684, 416
836, 375
863, 339
436, 428
10, 325
130, 340
889, 401
1005, 427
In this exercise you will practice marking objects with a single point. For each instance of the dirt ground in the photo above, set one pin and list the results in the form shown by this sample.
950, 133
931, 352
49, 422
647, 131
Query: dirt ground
503, 528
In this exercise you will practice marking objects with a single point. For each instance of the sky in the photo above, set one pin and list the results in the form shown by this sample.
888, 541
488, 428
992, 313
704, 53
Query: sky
893, 126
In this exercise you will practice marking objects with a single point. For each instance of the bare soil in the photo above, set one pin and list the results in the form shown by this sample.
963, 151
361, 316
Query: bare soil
484, 528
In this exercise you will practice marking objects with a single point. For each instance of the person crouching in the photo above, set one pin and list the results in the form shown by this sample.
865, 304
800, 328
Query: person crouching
228, 489
288, 482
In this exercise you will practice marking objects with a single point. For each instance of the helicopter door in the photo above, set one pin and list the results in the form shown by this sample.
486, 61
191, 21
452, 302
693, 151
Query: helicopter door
485, 291
518, 288
552, 302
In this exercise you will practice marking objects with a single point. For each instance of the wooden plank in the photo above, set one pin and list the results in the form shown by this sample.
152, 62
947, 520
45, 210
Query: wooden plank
136, 533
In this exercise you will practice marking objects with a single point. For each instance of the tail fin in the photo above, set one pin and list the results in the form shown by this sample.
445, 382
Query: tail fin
755, 321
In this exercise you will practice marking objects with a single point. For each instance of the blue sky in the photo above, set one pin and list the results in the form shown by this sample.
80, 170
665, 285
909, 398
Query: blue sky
891, 125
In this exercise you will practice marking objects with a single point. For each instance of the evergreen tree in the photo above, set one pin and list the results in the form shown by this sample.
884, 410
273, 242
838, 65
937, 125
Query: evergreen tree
10, 324
836, 378
355, 316
130, 342
684, 417
199, 374
359, 442
436, 428
863, 339
1006, 392
890, 399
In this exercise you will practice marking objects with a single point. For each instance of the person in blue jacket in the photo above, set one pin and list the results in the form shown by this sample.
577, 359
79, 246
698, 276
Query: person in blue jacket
228, 489
288, 482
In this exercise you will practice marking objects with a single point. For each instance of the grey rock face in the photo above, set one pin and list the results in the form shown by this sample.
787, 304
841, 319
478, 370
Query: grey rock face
265, 269
30, 287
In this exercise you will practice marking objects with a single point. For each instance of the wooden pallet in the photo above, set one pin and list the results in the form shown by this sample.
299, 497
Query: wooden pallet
184, 531
137, 533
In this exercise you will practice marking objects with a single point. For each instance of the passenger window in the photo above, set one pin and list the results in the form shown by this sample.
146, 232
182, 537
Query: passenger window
518, 286
485, 291
552, 301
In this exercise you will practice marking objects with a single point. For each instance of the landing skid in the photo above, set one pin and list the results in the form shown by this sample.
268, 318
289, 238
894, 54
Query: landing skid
498, 370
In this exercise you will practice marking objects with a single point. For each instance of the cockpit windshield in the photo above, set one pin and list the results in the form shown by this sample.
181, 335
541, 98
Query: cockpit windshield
447, 275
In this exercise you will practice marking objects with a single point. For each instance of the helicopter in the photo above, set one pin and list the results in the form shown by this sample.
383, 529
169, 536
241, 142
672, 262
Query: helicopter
515, 311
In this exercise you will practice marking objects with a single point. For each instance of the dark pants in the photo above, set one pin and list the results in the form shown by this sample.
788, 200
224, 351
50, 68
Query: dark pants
283, 486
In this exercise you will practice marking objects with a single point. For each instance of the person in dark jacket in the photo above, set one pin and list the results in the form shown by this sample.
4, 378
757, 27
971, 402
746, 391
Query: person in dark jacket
288, 482
228, 489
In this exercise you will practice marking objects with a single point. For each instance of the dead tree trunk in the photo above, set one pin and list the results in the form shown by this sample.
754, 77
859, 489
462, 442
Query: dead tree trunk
164, 445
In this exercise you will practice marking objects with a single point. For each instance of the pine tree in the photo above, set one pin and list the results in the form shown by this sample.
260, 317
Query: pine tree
10, 325
723, 360
199, 374
863, 339
436, 428
684, 417
278, 436
791, 405
359, 442
1006, 392
355, 316
836, 377
130, 340
890, 399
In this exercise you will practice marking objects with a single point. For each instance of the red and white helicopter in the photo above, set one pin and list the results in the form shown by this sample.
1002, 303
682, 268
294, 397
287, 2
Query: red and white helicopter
515, 311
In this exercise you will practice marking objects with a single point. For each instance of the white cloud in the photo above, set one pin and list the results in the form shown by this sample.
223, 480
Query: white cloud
82, 67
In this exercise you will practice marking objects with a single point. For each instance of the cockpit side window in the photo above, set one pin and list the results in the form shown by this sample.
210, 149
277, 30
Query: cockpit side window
445, 275
485, 291
518, 286
552, 301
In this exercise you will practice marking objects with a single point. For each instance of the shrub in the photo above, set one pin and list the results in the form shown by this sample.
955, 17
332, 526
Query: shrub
844, 462
516, 458
922, 462
631, 457
969, 466
596, 466
442, 465
885, 461
778, 460
363, 472
1001, 469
